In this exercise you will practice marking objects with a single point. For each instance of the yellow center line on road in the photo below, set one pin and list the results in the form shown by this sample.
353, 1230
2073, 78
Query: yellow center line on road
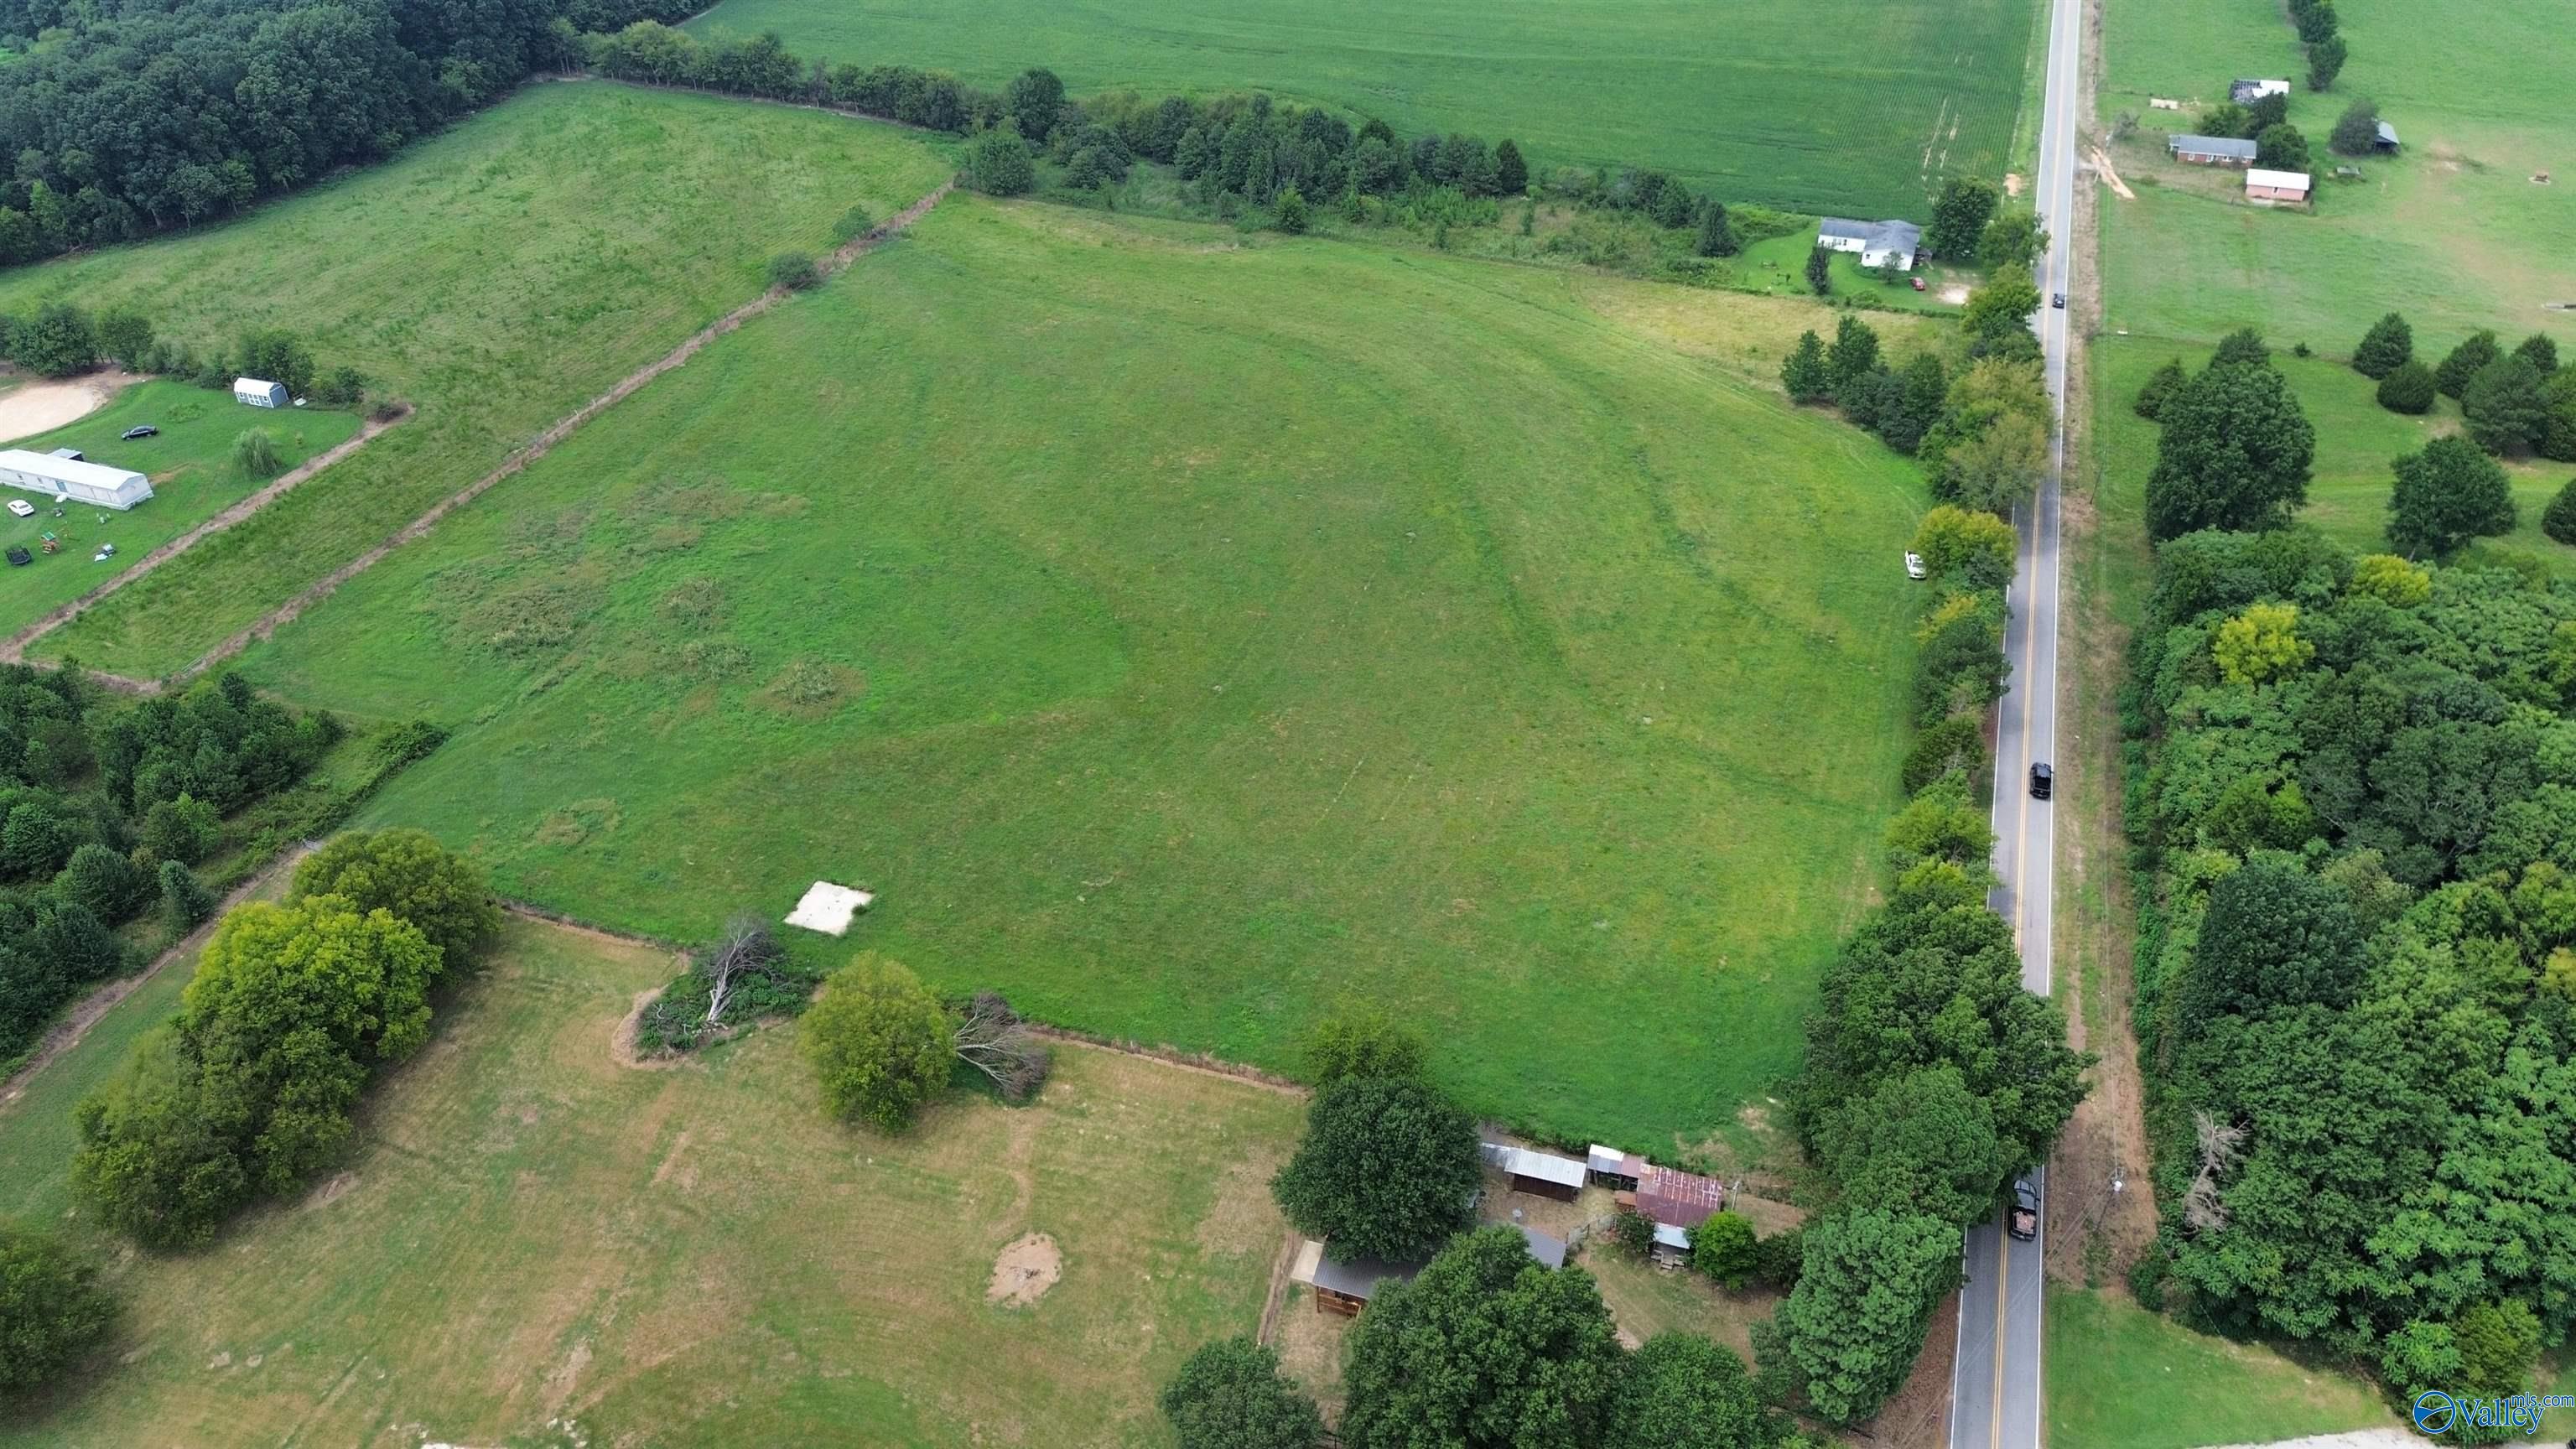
2003, 1276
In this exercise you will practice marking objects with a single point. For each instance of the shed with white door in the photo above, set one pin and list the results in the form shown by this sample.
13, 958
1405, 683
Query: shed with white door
259, 392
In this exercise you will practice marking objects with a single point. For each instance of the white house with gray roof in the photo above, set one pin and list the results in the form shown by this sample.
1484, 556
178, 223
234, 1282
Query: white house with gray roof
1878, 242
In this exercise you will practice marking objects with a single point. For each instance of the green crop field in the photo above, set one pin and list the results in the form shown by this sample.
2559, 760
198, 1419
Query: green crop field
193, 478
1183, 631
533, 1244
497, 277
1834, 106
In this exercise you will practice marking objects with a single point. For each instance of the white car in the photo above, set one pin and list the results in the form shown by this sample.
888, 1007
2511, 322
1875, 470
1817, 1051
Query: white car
22, 508
1914, 568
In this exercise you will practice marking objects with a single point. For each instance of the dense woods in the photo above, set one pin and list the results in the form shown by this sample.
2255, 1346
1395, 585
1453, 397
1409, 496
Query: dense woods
122, 117
104, 810
2353, 788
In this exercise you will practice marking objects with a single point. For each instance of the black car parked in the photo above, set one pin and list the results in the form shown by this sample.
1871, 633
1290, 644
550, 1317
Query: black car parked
145, 431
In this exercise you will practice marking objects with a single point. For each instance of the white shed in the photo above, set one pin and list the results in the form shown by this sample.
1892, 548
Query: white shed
73, 480
259, 393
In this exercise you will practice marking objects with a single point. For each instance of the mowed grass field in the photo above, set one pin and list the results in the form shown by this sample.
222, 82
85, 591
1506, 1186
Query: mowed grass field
532, 1244
2455, 233
1854, 106
1185, 632
497, 276
2120, 1377
193, 479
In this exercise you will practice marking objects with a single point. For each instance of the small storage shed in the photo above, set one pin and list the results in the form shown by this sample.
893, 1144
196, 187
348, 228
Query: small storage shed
259, 392
2263, 185
2384, 140
1345, 1288
1541, 1174
1613, 1168
72, 479
2247, 92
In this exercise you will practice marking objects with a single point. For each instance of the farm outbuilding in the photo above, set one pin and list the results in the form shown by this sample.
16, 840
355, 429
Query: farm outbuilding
259, 392
1679, 1199
1880, 243
1346, 1287
1613, 1168
2384, 140
2276, 186
2211, 150
2247, 92
1541, 1174
73, 480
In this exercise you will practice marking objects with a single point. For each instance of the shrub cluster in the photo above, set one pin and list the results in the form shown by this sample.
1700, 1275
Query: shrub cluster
2357, 821
2515, 403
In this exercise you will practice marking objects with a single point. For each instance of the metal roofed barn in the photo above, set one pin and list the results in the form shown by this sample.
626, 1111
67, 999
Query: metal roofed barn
1540, 1173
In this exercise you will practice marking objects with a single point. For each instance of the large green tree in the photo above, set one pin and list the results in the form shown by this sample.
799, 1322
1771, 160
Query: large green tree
1852, 1328
2464, 363
1386, 1170
2234, 453
410, 874
1959, 216
1361, 1039
2447, 494
1681, 1391
1230, 1394
1485, 1348
52, 1310
1922, 1139
2506, 408
2409, 388
2386, 347
1034, 100
880, 1044
1854, 350
1804, 374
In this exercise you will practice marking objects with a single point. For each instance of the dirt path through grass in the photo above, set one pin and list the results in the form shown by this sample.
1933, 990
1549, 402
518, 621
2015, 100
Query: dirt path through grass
14, 650
543, 444
94, 1007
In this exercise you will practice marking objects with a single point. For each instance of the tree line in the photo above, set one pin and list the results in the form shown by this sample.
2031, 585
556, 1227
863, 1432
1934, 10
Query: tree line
2353, 806
1982, 432
136, 116
105, 810
64, 339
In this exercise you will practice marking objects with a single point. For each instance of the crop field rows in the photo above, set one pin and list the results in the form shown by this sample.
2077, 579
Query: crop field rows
1857, 106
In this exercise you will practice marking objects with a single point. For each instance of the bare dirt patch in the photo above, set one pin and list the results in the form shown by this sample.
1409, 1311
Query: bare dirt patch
1955, 295
40, 407
1025, 1271
621, 1041
2013, 183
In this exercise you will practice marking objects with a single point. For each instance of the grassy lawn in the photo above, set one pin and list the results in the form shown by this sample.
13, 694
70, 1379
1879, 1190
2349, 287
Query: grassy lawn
1184, 631
1779, 265
529, 1232
193, 478
2120, 1377
1836, 106
497, 276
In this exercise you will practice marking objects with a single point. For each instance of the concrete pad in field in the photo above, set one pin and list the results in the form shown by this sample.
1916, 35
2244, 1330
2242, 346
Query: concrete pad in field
828, 908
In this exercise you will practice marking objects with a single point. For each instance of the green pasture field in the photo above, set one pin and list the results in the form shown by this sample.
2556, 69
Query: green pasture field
193, 478
1837, 106
534, 1244
497, 276
2455, 233
1183, 631
2120, 1377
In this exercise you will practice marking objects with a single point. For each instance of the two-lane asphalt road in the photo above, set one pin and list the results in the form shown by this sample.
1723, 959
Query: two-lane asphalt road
1995, 1384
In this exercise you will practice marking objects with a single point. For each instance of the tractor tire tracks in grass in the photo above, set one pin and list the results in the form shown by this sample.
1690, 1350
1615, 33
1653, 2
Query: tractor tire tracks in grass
542, 444
14, 649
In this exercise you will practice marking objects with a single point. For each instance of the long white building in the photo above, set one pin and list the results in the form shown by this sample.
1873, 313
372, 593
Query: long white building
72, 480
